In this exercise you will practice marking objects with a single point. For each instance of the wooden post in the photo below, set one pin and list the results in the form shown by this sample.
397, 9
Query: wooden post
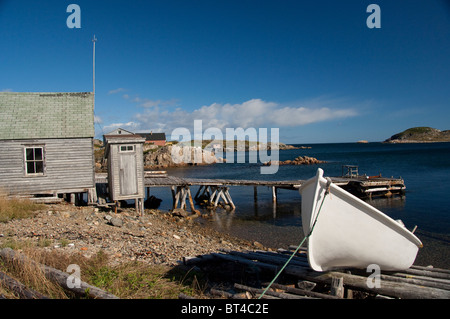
230, 201
255, 193
92, 195
274, 201
139, 206
183, 199
337, 286
218, 197
222, 194
191, 202
72, 198
213, 194
274, 194
177, 197
172, 189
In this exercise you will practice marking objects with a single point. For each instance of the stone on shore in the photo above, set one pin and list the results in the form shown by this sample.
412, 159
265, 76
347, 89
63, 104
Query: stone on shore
157, 237
301, 160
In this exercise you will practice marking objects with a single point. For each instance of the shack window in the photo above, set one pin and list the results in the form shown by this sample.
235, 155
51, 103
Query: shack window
126, 148
34, 160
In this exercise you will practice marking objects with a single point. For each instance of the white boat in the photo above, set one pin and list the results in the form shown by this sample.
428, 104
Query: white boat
349, 233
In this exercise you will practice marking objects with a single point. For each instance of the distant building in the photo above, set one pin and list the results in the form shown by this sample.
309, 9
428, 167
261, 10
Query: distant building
46, 143
154, 138
119, 132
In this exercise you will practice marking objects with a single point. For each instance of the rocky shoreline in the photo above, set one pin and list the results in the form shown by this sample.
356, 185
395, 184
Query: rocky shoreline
156, 238
421, 134
300, 160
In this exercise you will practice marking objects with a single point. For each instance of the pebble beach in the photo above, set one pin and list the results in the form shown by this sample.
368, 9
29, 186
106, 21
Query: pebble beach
158, 237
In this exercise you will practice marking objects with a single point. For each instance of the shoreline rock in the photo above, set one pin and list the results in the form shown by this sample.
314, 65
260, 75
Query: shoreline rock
420, 135
301, 160
184, 156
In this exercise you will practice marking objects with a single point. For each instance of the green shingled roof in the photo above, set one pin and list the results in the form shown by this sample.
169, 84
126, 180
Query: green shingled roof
46, 115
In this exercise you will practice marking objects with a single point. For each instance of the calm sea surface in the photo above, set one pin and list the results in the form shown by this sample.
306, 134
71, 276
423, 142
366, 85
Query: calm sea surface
424, 167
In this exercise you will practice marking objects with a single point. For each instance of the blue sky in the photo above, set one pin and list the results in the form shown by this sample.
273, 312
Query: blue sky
313, 69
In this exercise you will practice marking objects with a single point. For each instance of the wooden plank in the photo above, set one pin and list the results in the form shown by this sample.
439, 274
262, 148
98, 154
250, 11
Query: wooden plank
394, 289
257, 292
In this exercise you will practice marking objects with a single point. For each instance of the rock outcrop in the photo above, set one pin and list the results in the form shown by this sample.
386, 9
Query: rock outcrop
301, 160
420, 135
178, 156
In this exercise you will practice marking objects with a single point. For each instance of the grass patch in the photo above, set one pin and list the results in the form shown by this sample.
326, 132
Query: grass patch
132, 280
14, 208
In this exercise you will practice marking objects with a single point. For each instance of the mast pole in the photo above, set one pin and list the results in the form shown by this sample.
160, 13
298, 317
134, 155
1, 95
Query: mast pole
93, 68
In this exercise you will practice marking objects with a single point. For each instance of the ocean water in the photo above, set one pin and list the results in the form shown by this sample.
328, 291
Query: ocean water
425, 169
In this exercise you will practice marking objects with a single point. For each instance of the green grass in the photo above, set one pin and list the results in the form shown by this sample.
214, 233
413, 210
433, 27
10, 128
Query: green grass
130, 280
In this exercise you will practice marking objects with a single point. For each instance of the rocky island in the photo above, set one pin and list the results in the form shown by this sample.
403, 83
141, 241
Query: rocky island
301, 160
420, 135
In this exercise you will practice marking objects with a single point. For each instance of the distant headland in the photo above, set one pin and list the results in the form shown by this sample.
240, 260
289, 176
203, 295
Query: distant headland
420, 134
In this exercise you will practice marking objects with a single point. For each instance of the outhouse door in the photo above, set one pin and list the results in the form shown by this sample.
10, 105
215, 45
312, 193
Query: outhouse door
128, 174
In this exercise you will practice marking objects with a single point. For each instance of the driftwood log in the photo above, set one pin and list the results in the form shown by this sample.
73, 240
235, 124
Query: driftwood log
57, 276
18, 288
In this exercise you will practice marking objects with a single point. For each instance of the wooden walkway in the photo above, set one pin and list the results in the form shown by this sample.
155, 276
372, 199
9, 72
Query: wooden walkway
217, 190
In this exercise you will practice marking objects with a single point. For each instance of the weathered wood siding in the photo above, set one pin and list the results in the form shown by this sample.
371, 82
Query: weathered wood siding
114, 177
69, 166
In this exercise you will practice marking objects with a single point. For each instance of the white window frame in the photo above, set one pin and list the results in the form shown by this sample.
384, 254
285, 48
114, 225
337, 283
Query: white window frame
26, 160
127, 150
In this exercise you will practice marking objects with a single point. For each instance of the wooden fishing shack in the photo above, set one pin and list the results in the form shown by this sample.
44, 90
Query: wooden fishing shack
46, 145
124, 153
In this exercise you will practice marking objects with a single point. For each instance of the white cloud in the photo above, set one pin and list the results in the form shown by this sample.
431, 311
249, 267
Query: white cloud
118, 90
253, 113
151, 103
97, 119
165, 116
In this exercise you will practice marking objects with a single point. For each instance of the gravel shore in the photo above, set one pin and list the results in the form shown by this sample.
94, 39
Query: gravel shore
157, 237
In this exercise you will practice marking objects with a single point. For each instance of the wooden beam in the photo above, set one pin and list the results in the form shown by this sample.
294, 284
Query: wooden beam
230, 201
274, 194
337, 286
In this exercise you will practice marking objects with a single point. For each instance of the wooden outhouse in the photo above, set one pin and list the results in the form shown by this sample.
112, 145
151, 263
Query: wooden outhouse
125, 161
46, 144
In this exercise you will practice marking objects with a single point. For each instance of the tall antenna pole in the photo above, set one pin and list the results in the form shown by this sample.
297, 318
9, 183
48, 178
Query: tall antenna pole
93, 69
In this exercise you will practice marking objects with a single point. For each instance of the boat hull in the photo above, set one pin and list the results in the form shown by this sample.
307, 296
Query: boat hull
349, 233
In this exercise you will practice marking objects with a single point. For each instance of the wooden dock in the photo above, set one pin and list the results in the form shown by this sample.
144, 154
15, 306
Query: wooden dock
216, 191
299, 281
